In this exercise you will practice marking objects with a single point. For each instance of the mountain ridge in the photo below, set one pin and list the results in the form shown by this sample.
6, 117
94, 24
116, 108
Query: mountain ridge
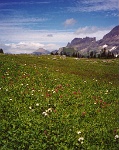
41, 51
84, 45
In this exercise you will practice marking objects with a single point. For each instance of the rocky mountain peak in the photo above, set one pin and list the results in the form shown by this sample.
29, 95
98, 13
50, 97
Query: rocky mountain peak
77, 41
41, 51
113, 33
87, 44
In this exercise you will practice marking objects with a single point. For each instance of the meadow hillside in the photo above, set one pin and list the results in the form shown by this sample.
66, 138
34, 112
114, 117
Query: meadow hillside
57, 103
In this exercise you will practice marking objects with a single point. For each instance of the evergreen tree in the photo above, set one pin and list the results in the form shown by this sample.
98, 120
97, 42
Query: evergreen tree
1, 51
91, 54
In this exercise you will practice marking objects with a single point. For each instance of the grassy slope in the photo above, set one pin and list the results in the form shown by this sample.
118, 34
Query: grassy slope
83, 96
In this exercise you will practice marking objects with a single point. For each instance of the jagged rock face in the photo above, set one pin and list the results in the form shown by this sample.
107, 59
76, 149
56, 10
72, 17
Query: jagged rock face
81, 43
111, 39
82, 40
88, 44
114, 33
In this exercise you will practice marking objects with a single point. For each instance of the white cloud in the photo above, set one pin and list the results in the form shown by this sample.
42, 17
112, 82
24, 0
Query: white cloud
97, 1
86, 30
15, 22
112, 14
15, 34
27, 47
21, 47
69, 22
23, 20
92, 31
51, 47
27, 41
23, 3
94, 6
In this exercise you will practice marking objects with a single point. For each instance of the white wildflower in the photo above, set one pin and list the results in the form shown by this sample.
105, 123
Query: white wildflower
81, 139
37, 104
107, 91
116, 137
32, 110
30, 107
45, 113
49, 110
54, 58
78, 132
10, 99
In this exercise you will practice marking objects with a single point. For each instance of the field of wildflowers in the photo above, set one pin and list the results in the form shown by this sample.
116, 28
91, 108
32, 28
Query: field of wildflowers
55, 103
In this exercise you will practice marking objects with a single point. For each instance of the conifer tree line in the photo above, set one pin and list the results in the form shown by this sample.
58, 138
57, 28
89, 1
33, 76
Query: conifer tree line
104, 53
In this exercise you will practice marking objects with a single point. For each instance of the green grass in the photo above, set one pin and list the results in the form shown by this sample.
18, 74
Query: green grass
68, 51
46, 100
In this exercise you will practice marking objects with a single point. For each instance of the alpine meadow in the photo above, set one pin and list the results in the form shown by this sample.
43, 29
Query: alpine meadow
58, 103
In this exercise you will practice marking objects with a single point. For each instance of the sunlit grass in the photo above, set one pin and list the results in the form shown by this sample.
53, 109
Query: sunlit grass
50, 102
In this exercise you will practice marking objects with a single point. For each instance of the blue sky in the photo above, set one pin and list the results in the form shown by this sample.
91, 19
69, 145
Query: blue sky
26, 25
